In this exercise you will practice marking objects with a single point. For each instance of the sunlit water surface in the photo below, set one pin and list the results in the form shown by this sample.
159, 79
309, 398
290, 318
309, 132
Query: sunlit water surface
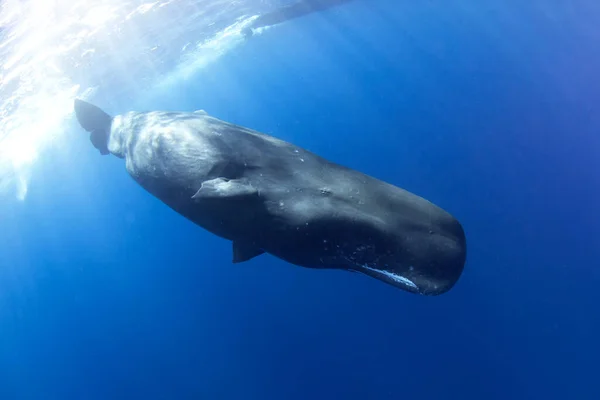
54, 50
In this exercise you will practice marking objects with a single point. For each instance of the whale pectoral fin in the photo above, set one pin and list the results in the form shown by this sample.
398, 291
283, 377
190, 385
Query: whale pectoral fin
244, 252
222, 188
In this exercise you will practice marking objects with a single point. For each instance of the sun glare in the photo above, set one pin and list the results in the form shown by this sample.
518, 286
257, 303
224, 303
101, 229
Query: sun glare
36, 92
51, 49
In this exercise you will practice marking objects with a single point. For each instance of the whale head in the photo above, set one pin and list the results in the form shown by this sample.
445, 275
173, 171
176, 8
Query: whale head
428, 257
402, 239
95, 121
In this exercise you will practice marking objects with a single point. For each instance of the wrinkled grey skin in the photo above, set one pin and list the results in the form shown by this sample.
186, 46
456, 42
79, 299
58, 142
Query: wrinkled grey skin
267, 195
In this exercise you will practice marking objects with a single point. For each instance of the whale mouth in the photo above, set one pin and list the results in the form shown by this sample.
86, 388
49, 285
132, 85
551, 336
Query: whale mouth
391, 278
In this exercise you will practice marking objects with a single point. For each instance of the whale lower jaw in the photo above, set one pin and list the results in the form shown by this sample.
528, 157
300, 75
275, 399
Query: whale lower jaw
391, 278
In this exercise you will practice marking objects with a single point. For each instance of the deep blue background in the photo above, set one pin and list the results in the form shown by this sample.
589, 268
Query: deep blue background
489, 109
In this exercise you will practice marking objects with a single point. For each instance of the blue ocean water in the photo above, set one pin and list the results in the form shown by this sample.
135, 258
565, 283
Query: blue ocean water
488, 109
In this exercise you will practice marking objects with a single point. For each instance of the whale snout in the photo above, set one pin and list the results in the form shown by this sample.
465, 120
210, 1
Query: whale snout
427, 261
440, 262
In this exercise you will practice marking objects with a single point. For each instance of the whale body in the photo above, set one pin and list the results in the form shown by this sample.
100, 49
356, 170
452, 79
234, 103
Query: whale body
291, 11
266, 195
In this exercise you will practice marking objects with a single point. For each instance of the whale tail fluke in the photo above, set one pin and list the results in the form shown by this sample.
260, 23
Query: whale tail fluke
95, 121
